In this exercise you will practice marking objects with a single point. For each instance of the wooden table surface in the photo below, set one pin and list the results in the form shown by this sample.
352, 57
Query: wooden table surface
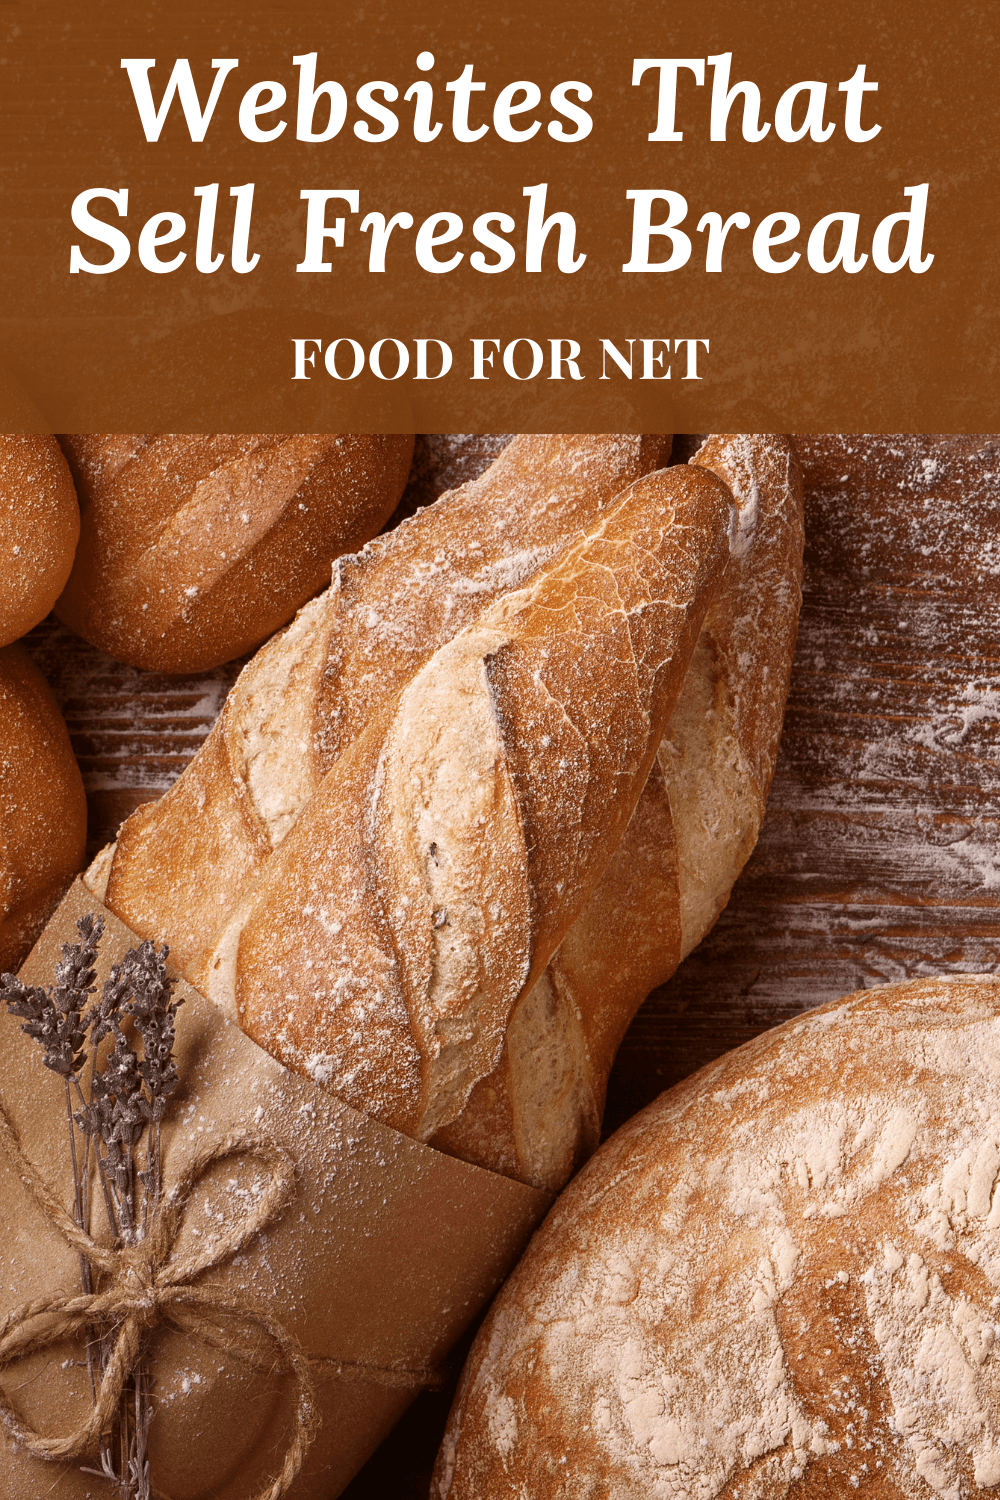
879, 857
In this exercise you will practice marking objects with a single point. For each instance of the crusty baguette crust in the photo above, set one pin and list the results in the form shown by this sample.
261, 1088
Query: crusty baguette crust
182, 864
536, 1113
423, 890
720, 750
43, 809
39, 530
197, 548
695, 826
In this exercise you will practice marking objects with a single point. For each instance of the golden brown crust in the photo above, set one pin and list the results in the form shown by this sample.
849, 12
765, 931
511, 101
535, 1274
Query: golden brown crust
43, 809
694, 828
196, 548
39, 528
780, 1281
425, 886
719, 753
316, 700
307, 695
627, 939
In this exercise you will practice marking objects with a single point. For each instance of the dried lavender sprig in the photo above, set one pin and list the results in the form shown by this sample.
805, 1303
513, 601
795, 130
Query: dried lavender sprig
96, 1119
115, 1118
112, 1117
54, 1019
33, 1005
125, 1096
153, 1011
76, 974
54, 1015
103, 1013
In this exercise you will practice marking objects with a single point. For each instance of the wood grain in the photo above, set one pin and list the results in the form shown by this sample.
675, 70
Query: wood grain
879, 858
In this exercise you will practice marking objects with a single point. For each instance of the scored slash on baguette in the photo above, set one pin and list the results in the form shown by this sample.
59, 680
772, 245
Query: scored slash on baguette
424, 888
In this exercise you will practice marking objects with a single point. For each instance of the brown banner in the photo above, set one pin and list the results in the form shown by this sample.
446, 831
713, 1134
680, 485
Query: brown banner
527, 217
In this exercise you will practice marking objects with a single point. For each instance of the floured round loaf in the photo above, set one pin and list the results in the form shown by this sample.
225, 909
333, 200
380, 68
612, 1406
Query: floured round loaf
39, 529
197, 548
43, 809
780, 1281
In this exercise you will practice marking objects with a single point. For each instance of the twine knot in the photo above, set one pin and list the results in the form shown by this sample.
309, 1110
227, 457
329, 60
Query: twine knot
146, 1283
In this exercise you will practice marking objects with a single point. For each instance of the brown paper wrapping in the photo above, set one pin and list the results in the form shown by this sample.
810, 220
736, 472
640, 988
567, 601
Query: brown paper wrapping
386, 1253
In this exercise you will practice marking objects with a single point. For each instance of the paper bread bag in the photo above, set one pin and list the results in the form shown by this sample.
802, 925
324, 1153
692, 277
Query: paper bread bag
371, 1260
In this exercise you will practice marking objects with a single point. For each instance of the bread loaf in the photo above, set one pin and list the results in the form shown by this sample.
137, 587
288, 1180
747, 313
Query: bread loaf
43, 809
195, 868
196, 549
423, 890
39, 528
181, 864
693, 830
780, 1281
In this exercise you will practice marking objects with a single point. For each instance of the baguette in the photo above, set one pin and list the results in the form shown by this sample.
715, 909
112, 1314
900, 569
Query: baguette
693, 830
537, 1113
196, 548
43, 809
39, 529
421, 893
181, 864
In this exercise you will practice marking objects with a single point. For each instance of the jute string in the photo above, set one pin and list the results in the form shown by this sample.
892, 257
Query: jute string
145, 1284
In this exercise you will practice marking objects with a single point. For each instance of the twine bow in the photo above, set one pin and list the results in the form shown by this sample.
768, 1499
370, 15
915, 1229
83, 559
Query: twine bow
147, 1285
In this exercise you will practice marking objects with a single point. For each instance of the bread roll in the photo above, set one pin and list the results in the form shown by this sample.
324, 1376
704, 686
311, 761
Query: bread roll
182, 864
43, 809
39, 528
196, 549
539, 1115
780, 1281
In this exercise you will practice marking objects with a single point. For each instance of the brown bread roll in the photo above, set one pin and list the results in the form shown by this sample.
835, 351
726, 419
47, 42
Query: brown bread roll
197, 548
779, 1282
181, 864
43, 809
39, 528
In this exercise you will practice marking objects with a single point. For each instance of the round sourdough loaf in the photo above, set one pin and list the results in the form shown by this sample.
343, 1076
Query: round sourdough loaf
39, 529
781, 1281
43, 809
197, 548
